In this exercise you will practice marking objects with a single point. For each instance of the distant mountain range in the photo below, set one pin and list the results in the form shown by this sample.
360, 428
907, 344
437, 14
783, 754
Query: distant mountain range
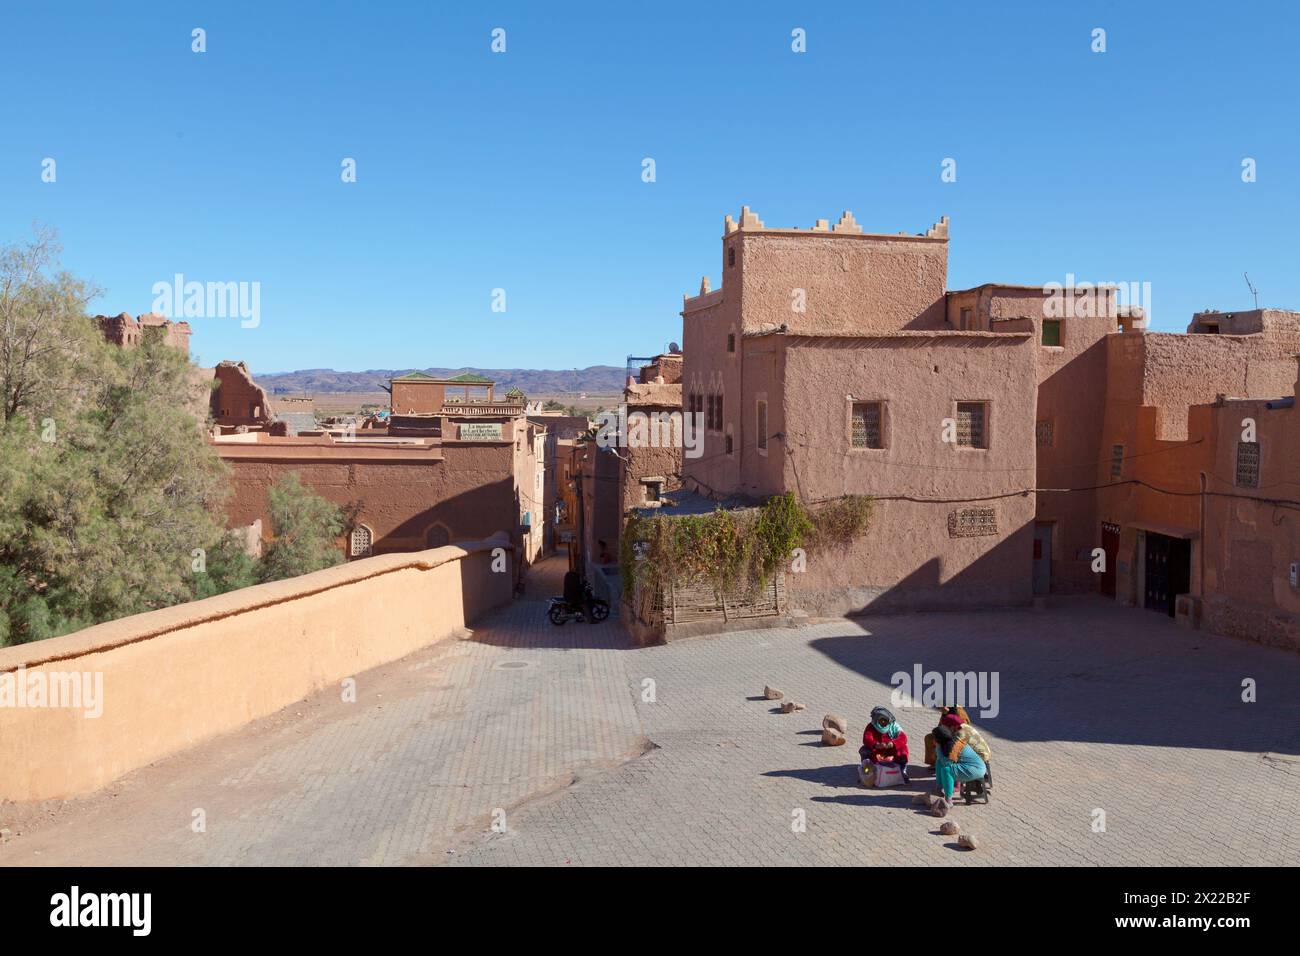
594, 380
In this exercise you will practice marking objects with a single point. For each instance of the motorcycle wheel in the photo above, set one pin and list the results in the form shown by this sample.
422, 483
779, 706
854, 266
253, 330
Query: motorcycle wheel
599, 610
557, 615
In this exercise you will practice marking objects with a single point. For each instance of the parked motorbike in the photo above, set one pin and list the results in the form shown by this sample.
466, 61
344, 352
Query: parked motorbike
579, 595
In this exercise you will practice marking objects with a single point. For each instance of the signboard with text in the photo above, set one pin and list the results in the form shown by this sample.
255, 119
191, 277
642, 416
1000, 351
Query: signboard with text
480, 431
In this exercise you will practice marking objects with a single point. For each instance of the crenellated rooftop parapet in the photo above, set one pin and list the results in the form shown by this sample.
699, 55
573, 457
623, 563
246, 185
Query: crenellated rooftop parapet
846, 225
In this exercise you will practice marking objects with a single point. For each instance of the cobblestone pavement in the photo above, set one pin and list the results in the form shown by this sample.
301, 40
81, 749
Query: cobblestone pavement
597, 753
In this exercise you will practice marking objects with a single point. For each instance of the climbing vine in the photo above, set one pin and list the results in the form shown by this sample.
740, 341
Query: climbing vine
736, 549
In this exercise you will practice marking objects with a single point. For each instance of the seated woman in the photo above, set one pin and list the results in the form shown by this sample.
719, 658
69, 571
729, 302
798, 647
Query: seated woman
929, 738
954, 761
968, 735
884, 741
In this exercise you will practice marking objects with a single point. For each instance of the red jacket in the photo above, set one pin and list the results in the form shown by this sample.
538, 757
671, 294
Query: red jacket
873, 739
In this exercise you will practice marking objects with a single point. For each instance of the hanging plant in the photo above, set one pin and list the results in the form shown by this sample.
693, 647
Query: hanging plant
737, 549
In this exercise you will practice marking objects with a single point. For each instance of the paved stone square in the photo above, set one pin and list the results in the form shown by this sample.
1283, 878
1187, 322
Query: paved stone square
553, 732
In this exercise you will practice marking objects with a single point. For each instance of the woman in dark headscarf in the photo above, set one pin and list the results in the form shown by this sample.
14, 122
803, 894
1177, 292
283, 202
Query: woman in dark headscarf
884, 741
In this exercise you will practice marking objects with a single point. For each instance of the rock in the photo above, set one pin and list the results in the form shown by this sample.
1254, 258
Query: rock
832, 737
771, 693
789, 707
939, 806
835, 721
6, 833
950, 828
967, 842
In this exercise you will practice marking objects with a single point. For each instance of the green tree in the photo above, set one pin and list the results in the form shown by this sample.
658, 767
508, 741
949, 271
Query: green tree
229, 567
107, 485
306, 527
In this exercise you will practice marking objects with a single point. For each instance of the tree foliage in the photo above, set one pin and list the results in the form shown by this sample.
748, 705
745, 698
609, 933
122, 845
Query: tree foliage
305, 527
110, 497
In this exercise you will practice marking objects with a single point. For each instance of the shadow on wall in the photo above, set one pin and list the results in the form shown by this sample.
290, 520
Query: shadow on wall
1001, 577
1088, 671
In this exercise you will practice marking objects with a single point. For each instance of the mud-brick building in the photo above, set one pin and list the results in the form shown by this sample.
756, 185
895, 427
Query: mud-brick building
125, 331
825, 366
1010, 435
455, 468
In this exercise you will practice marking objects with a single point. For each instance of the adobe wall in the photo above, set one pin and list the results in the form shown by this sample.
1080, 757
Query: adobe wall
852, 283
416, 398
179, 676
1250, 544
237, 399
602, 519
909, 559
467, 487
1072, 390
707, 367
1179, 371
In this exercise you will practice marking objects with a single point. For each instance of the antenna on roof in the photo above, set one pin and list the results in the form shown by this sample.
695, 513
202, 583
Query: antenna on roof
1253, 290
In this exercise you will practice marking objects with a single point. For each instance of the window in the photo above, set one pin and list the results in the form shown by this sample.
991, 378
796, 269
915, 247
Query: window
731, 342
965, 320
720, 425
728, 444
731, 256
972, 430
712, 416
1045, 433
1051, 331
1248, 464
437, 536
653, 488
1116, 461
761, 427
361, 541
866, 425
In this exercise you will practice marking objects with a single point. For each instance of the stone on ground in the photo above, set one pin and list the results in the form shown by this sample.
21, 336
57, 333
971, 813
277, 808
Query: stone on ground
949, 828
771, 693
789, 707
967, 842
835, 721
832, 737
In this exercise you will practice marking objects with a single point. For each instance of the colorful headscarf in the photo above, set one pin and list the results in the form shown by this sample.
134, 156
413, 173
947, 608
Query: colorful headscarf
883, 713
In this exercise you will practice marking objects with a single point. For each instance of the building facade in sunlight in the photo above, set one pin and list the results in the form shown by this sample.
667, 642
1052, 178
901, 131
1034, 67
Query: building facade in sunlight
1018, 441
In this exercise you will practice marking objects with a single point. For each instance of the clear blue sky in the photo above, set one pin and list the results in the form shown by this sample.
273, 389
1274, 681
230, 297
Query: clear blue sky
523, 171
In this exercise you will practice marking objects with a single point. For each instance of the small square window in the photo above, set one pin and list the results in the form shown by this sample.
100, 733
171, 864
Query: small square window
867, 432
653, 490
1051, 331
972, 431
1248, 464
1045, 433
